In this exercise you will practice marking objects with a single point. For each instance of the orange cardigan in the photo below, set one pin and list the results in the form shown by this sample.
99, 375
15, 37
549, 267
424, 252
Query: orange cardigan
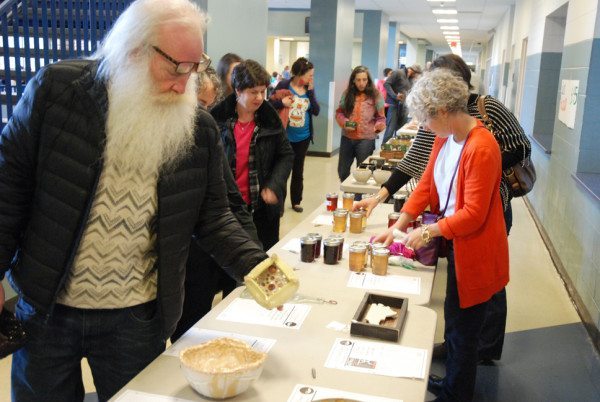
477, 227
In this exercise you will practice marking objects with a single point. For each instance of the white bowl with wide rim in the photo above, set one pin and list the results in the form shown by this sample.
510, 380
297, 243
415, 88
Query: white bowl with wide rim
381, 176
221, 368
361, 175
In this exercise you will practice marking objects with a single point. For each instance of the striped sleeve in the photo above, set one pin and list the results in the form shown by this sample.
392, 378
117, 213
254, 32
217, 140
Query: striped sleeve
415, 160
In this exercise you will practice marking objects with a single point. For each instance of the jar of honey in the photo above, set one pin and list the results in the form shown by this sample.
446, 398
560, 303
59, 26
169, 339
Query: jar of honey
379, 262
332, 201
340, 216
348, 201
356, 222
358, 255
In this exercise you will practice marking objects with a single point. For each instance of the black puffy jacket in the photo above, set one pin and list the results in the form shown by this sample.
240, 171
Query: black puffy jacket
274, 156
50, 161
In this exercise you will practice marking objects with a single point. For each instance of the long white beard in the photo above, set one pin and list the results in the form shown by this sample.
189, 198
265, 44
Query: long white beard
145, 130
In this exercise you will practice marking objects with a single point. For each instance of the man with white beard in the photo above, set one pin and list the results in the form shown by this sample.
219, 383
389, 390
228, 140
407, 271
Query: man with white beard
107, 170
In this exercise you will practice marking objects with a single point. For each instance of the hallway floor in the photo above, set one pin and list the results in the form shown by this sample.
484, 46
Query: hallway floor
547, 353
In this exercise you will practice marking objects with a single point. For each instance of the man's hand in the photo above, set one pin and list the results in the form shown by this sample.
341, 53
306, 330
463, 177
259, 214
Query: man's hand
368, 204
2, 297
269, 196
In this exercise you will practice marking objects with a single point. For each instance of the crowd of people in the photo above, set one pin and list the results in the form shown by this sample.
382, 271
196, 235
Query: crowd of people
112, 210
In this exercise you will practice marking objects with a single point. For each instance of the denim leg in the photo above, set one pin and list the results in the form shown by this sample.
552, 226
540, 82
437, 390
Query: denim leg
346, 157
391, 123
363, 149
491, 339
297, 180
48, 367
120, 343
462, 333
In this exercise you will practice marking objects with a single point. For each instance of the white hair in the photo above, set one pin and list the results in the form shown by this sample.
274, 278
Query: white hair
438, 89
136, 30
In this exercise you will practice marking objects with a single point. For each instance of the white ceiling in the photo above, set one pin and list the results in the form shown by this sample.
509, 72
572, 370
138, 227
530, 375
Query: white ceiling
475, 19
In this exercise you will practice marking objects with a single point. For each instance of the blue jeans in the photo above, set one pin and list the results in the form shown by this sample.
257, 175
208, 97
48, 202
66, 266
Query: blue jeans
351, 149
394, 120
462, 331
118, 344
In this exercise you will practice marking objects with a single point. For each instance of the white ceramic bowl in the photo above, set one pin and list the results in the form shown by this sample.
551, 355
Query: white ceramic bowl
221, 368
381, 176
361, 175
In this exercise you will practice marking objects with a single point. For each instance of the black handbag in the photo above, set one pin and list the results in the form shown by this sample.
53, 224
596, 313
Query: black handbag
520, 177
12, 334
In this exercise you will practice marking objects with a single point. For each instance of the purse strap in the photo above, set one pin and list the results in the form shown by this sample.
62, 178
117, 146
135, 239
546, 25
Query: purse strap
483, 113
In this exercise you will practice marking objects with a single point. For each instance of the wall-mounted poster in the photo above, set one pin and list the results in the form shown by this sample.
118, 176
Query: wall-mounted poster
569, 91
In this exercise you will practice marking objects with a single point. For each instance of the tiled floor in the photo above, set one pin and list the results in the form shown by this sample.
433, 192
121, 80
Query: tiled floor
547, 354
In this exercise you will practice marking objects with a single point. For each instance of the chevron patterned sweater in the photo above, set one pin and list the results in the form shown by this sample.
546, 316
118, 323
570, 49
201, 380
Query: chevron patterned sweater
114, 266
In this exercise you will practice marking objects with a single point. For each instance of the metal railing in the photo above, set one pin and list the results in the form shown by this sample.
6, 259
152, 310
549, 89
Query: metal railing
38, 32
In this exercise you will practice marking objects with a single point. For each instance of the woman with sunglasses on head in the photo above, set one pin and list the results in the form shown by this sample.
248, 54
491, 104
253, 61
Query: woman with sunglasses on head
256, 147
295, 100
460, 184
361, 115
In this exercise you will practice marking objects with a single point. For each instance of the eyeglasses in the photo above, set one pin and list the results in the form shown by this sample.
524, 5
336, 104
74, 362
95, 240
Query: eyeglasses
186, 67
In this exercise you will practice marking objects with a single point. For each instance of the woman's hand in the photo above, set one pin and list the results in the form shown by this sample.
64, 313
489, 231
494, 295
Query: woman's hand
269, 196
379, 127
414, 239
368, 204
310, 85
287, 101
386, 237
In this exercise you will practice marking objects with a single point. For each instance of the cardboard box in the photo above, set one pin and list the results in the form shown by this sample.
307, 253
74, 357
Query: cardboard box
390, 329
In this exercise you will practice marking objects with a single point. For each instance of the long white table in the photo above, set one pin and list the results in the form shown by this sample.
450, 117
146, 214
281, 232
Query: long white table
298, 351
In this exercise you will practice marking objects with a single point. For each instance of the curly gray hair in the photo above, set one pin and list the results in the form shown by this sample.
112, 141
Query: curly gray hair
435, 90
209, 78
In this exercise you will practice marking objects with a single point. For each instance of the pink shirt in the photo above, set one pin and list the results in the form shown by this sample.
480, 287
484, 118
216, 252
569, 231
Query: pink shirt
243, 135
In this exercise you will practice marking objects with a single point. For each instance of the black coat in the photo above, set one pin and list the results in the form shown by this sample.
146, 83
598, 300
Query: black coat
274, 156
50, 161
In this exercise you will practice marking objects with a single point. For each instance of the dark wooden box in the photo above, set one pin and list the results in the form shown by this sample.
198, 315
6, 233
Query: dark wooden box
390, 329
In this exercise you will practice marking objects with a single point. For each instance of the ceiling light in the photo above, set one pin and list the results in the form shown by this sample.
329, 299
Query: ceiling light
451, 32
450, 37
447, 21
443, 11
449, 27
441, 1
287, 39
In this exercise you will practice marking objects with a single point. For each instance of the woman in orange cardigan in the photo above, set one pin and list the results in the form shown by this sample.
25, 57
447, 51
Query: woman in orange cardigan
461, 182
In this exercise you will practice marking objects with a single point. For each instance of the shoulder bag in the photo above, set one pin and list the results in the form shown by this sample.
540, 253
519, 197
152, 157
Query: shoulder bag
521, 176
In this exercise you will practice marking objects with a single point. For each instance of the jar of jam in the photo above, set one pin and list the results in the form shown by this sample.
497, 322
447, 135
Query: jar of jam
307, 249
332, 201
393, 218
318, 238
339, 238
379, 262
340, 216
372, 247
330, 251
399, 200
348, 201
356, 222
358, 255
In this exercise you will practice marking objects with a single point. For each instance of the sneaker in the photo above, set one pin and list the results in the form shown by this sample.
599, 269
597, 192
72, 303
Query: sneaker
298, 208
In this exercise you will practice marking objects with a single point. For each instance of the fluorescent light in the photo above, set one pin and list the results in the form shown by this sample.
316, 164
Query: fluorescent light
443, 11
449, 27
449, 37
441, 1
288, 39
451, 32
447, 21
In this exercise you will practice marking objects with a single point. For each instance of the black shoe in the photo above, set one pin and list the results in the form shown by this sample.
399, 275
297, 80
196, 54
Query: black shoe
439, 351
297, 208
486, 362
435, 383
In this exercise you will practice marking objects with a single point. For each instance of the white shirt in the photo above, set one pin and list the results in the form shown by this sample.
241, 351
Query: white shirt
444, 167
